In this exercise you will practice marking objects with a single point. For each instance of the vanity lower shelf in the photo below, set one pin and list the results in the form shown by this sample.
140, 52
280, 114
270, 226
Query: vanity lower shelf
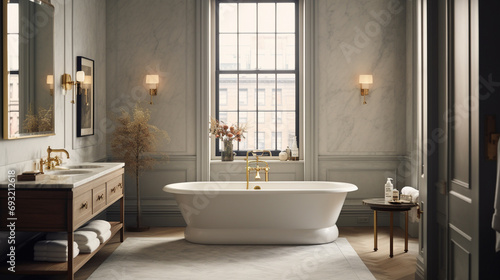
42, 268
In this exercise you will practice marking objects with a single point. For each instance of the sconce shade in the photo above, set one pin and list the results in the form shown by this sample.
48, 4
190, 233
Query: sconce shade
365, 81
50, 79
152, 81
86, 82
80, 76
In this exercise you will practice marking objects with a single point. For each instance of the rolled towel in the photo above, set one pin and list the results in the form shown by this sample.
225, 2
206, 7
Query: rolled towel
80, 237
54, 246
411, 191
59, 255
97, 226
90, 247
105, 236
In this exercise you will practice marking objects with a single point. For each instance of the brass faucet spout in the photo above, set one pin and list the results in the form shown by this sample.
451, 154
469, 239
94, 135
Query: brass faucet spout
257, 168
49, 150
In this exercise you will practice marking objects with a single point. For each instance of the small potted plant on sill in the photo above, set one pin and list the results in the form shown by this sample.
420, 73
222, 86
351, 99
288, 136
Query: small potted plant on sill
227, 134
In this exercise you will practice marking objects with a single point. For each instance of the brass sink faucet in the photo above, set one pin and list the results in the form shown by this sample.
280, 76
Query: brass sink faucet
257, 168
52, 162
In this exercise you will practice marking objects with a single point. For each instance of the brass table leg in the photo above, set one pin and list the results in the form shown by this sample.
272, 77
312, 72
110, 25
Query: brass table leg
391, 229
406, 231
375, 230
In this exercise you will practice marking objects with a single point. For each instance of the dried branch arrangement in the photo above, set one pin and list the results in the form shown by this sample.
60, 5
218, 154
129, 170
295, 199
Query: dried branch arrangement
135, 142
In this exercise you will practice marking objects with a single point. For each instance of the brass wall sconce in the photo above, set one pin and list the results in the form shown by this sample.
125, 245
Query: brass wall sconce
50, 83
152, 82
67, 83
365, 81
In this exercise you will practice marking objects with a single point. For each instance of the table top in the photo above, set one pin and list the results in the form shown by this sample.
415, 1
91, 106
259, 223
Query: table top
382, 205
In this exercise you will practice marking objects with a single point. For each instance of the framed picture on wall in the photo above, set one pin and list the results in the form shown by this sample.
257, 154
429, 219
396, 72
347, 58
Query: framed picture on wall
85, 98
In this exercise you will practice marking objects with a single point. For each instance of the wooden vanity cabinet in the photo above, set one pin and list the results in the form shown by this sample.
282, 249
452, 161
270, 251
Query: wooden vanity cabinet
63, 209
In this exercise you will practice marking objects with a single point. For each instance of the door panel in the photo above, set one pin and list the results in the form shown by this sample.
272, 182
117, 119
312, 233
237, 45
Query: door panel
462, 207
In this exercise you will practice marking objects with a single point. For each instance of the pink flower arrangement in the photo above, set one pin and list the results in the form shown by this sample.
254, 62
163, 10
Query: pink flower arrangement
226, 132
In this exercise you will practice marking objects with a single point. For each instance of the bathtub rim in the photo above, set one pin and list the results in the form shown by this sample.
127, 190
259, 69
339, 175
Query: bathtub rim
180, 188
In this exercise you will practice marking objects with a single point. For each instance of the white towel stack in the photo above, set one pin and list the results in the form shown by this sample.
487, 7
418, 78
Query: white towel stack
100, 227
54, 250
87, 240
414, 198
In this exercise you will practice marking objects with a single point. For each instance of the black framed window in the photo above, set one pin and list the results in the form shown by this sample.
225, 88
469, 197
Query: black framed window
257, 59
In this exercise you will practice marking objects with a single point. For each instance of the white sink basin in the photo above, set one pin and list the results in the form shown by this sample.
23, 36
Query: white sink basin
70, 172
83, 166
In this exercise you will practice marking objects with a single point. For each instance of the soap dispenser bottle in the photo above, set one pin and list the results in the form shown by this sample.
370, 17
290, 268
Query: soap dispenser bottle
388, 190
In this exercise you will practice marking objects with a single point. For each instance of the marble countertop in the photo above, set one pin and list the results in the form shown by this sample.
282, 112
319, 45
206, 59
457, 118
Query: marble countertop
57, 179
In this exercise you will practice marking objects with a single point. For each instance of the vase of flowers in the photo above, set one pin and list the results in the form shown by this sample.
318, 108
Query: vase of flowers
227, 134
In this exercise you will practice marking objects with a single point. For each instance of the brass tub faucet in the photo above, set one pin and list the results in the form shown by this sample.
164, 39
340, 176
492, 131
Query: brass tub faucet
257, 168
52, 162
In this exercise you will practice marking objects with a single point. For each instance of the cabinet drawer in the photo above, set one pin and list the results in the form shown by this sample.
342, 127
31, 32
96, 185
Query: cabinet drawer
98, 198
114, 189
82, 207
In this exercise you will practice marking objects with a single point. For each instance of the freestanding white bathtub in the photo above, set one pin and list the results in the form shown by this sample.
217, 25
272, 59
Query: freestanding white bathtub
279, 213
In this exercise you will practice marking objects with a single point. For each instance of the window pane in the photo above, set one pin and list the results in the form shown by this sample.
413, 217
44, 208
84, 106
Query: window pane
228, 14
227, 51
249, 142
277, 98
278, 141
286, 17
248, 16
247, 91
248, 52
13, 18
261, 141
227, 83
267, 17
287, 127
266, 86
13, 50
266, 50
286, 82
285, 52
222, 98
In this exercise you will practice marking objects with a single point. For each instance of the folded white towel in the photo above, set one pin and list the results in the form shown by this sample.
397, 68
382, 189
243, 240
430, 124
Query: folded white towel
54, 246
80, 237
415, 199
105, 236
90, 247
411, 191
97, 226
60, 255
104, 223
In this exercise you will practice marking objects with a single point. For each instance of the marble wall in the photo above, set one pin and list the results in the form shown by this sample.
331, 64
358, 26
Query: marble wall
87, 21
155, 37
353, 38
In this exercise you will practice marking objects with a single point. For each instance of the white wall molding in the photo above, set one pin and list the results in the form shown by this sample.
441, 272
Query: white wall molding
311, 140
203, 48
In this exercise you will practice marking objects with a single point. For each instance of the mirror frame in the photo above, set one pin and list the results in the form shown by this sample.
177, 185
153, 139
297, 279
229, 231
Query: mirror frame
5, 100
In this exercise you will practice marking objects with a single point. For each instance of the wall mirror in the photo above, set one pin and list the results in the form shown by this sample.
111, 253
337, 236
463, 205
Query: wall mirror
28, 68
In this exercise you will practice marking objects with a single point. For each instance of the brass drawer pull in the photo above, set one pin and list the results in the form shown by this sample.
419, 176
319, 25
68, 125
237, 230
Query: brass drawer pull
120, 185
84, 205
113, 190
99, 197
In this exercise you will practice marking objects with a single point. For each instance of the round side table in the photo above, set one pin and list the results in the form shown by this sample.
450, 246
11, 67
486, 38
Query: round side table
379, 204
